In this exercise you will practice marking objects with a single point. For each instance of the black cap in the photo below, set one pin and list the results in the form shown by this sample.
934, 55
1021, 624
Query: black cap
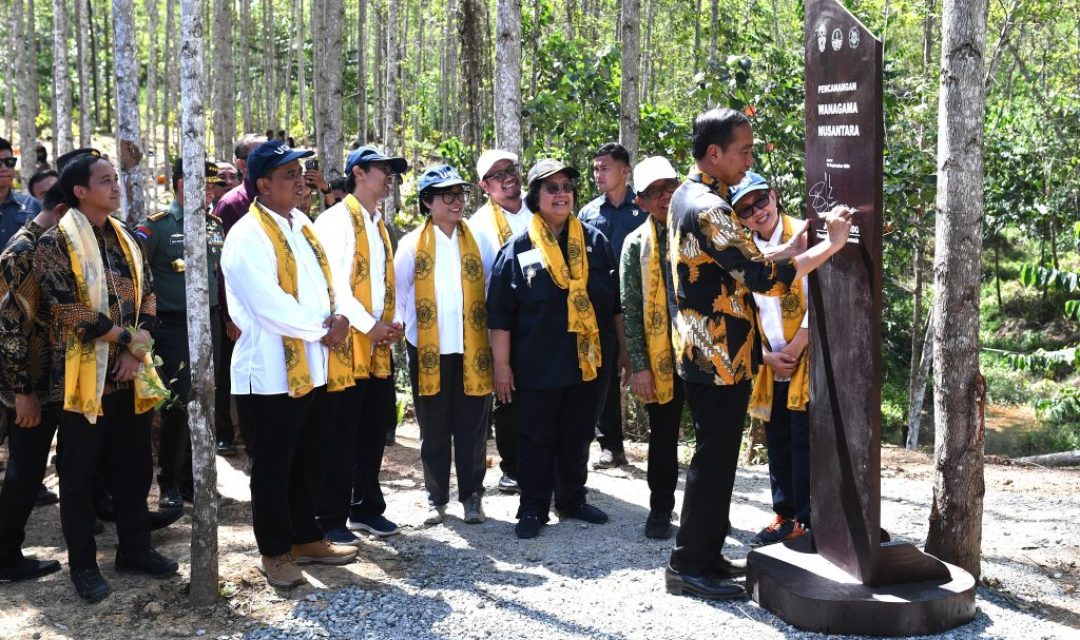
66, 159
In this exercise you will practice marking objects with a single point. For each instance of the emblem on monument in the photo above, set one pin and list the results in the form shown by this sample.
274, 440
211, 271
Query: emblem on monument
822, 36
837, 39
853, 37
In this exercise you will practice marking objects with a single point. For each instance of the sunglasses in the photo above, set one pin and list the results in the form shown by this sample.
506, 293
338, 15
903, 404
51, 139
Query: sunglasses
759, 204
9, 162
555, 188
512, 171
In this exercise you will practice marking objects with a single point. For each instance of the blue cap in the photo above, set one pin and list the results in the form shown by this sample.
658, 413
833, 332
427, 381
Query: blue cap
367, 155
269, 155
440, 176
749, 184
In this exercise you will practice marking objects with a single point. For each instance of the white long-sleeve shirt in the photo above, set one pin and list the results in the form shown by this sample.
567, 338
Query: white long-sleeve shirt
486, 230
335, 229
769, 311
449, 296
265, 313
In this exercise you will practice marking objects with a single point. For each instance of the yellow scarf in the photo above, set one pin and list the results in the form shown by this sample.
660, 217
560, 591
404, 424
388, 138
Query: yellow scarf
792, 308
581, 319
298, 372
657, 326
500, 222
477, 360
86, 363
366, 364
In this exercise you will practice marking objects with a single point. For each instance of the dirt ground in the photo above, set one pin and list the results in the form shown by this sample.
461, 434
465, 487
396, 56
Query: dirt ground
1030, 556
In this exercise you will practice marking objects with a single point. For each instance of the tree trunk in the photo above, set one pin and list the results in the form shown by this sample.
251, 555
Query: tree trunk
200, 408
955, 533
390, 115
631, 63
97, 66
713, 24
168, 90
916, 321
245, 65
361, 72
82, 53
149, 135
61, 80
329, 66
301, 65
917, 385
1062, 459
224, 80
508, 76
270, 65
106, 70
26, 66
468, 31
10, 72
129, 154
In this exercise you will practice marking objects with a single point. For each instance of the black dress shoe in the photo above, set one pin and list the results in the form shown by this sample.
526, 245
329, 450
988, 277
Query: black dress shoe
527, 527
164, 517
226, 449
727, 569
708, 587
170, 498
149, 562
658, 526
27, 569
585, 512
89, 584
45, 497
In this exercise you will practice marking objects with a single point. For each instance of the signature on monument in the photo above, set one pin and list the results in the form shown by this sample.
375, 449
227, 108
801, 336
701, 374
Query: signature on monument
822, 201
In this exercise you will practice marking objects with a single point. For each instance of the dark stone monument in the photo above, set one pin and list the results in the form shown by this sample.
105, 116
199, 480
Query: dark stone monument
850, 578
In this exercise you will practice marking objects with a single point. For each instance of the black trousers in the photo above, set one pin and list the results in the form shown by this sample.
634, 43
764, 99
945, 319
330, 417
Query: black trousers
506, 437
609, 427
286, 469
28, 455
663, 471
174, 447
223, 347
719, 413
450, 420
120, 444
359, 417
787, 438
555, 429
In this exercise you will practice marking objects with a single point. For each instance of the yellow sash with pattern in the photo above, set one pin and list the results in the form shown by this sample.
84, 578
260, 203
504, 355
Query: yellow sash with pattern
366, 363
657, 325
792, 309
500, 222
581, 318
297, 370
477, 359
86, 363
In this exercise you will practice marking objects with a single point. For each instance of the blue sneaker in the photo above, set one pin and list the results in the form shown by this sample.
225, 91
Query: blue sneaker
375, 525
341, 535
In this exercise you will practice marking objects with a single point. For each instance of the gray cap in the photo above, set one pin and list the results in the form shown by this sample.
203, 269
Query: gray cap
549, 167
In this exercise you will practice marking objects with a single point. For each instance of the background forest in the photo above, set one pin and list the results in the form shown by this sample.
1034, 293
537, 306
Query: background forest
420, 77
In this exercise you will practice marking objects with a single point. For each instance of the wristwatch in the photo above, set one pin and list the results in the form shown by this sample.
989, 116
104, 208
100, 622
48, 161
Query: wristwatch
125, 338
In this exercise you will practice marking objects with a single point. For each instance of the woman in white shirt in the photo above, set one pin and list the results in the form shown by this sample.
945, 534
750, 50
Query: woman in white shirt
441, 275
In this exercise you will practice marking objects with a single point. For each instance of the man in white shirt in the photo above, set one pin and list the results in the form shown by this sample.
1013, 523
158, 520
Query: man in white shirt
502, 217
350, 498
781, 387
287, 402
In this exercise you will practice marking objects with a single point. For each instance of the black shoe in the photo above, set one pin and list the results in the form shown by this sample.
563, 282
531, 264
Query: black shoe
27, 569
164, 517
610, 459
727, 569
45, 497
89, 584
527, 527
508, 484
391, 436
586, 512
149, 562
99, 526
707, 587
658, 526
170, 498
226, 449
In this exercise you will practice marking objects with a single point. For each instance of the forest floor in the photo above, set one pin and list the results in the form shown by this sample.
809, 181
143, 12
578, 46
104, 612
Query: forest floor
574, 581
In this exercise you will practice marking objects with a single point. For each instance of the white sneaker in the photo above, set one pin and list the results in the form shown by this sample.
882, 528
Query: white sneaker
435, 514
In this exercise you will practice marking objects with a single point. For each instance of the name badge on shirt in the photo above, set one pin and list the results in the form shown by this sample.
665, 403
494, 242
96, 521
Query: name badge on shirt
176, 239
530, 262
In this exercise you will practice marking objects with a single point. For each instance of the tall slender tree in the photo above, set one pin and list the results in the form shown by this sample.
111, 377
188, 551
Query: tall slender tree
471, 40
330, 135
129, 151
393, 62
244, 48
955, 533
631, 67
224, 104
82, 55
270, 64
61, 80
149, 134
361, 71
26, 67
169, 87
507, 89
8, 62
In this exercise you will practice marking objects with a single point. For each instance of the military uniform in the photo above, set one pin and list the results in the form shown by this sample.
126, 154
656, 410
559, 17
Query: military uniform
163, 244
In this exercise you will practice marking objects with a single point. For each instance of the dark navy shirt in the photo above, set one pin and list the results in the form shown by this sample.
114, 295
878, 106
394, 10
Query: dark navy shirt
543, 354
614, 222
14, 212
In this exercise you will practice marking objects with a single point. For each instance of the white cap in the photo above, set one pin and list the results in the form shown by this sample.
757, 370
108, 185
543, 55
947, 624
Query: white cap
652, 169
488, 160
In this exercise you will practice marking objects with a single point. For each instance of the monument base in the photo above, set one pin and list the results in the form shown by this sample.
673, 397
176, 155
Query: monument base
809, 592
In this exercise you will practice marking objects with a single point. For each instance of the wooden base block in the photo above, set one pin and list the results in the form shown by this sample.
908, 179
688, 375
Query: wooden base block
809, 592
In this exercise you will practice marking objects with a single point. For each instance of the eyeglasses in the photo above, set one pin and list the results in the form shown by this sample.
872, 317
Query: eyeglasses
663, 190
9, 162
555, 188
757, 205
450, 197
512, 171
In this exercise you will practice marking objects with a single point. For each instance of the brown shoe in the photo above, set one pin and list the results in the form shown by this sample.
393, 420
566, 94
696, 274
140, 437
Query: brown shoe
281, 571
323, 552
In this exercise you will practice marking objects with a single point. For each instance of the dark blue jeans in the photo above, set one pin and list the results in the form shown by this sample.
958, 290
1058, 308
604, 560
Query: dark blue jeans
787, 437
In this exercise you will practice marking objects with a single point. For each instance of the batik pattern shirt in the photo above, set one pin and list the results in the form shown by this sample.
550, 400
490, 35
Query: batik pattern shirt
24, 330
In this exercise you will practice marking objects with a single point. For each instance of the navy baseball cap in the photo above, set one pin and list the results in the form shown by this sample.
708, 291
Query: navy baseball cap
439, 177
269, 155
750, 183
367, 155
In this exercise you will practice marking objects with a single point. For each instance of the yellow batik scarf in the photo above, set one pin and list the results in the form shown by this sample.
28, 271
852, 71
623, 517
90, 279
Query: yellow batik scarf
792, 309
657, 327
297, 371
581, 318
477, 359
86, 363
365, 363
500, 222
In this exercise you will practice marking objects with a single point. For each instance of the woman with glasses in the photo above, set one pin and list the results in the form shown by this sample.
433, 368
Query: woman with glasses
440, 271
552, 309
